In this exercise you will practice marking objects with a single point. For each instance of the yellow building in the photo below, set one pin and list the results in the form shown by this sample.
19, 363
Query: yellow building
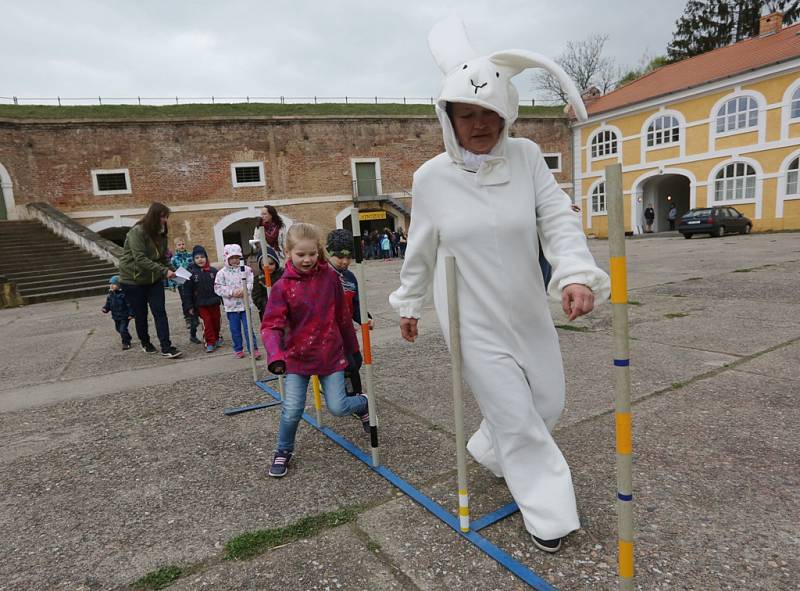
721, 128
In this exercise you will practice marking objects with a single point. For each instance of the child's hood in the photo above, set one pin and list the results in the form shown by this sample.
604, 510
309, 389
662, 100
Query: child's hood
231, 250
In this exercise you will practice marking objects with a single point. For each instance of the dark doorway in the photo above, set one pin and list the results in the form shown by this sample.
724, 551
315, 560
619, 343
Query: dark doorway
661, 192
377, 219
116, 235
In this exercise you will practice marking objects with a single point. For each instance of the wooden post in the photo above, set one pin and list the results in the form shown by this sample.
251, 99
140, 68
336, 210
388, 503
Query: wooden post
458, 396
365, 338
624, 437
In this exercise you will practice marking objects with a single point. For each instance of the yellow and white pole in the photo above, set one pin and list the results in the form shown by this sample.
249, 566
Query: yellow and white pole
366, 344
262, 241
624, 436
458, 396
316, 388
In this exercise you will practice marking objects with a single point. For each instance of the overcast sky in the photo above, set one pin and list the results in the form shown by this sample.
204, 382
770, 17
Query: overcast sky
124, 48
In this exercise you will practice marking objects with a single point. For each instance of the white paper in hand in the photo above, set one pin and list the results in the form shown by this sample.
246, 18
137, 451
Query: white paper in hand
181, 275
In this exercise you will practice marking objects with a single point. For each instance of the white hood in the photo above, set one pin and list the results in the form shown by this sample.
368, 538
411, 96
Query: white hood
486, 81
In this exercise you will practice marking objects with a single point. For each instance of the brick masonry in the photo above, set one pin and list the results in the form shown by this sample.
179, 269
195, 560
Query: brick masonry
187, 162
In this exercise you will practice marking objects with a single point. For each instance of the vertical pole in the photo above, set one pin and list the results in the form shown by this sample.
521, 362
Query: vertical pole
365, 338
624, 437
315, 387
458, 399
251, 345
262, 243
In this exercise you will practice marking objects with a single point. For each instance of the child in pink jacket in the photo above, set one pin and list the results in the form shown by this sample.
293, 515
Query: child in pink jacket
307, 330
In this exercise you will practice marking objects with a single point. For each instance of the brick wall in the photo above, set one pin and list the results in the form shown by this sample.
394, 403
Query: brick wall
186, 162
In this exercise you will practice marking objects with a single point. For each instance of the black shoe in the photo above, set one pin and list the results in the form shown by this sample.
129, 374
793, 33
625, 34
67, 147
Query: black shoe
195, 340
172, 353
148, 348
280, 463
126, 346
550, 546
364, 416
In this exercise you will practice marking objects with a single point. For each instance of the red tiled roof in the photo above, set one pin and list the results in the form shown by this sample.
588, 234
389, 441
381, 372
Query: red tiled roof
750, 54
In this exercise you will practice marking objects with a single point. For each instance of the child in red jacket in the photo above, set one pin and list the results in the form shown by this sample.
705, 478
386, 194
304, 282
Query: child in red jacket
308, 330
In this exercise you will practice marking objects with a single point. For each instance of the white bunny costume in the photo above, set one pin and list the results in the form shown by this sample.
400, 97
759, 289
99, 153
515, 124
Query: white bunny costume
490, 211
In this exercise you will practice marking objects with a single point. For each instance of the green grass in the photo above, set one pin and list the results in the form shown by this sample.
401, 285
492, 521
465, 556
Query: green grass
677, 386
252, 544
159, 579
234, 110
743, 270
634, 302
675, 314
572, 328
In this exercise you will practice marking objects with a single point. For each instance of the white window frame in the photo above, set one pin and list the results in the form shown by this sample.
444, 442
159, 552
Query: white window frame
795, 103
732, 181
736, 130
377, 162
554, 155
95, 185
793, 171
650, 131
791, 95
260, 165
604, 142
598, 190
783, 183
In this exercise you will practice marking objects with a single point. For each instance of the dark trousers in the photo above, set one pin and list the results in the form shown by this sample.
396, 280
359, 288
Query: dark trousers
671, 224
211, 323
186, 316
142, 296
121, 325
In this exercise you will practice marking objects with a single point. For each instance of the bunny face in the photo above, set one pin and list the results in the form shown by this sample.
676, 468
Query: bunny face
482, 82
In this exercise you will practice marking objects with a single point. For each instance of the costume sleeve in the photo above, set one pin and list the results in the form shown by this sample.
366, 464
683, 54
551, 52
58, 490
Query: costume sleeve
248, 273
562, 237
275, 321
420, 261
343, 317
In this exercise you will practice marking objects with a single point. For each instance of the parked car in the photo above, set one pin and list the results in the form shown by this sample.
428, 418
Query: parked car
717, 221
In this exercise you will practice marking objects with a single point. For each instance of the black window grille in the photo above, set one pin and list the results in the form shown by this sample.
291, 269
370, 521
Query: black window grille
112, 181
248, 174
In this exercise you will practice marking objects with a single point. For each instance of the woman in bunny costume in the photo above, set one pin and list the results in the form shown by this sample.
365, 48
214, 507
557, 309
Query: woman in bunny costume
487, 201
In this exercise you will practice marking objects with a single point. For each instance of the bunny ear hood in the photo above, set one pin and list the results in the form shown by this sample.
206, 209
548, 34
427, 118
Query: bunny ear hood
485, 81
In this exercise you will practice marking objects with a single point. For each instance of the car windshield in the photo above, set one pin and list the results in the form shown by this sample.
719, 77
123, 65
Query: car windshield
697, 213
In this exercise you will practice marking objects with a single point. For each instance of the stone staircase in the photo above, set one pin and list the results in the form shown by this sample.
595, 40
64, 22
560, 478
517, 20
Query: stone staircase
46, 267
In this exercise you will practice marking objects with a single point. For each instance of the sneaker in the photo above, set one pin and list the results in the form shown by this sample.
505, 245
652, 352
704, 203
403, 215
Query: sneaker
239, 355
195, 340
550, 546
218, 344
126, 346
280, 463
148, 348
210, 348
172, 353
257, 354
364, 416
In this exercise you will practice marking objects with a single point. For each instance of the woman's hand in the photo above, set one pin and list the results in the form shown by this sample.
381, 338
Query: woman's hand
170, 273
576, 300
408, 329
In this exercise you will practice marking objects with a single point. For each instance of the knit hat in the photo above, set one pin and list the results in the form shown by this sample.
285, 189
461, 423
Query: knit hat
271, 254
340, 243
199, 249
114, 280
231, 250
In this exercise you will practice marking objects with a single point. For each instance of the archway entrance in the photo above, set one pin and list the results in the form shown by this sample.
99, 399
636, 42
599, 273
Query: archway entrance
661, 192
240, 232
371, 219
116, 234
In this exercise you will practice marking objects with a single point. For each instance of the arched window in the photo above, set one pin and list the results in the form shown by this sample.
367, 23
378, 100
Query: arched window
738, 113
604, 144
663, 130
736, 181
796, 104
792, 186
599, 198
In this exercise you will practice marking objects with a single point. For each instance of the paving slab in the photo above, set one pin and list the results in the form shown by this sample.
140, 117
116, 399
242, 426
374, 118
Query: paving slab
783, 363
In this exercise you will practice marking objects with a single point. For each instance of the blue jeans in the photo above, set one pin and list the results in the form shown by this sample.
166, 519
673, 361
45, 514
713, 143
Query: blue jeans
294, 402
122, 328
142, 296
238, 325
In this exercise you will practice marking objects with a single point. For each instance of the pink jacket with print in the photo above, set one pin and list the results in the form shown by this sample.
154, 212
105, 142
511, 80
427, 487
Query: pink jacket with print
306, 323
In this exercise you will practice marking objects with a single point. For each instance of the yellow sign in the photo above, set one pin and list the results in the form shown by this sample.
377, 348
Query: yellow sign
371, 215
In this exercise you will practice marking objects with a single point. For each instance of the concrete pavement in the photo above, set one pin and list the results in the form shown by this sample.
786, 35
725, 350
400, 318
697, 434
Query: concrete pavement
116, 463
